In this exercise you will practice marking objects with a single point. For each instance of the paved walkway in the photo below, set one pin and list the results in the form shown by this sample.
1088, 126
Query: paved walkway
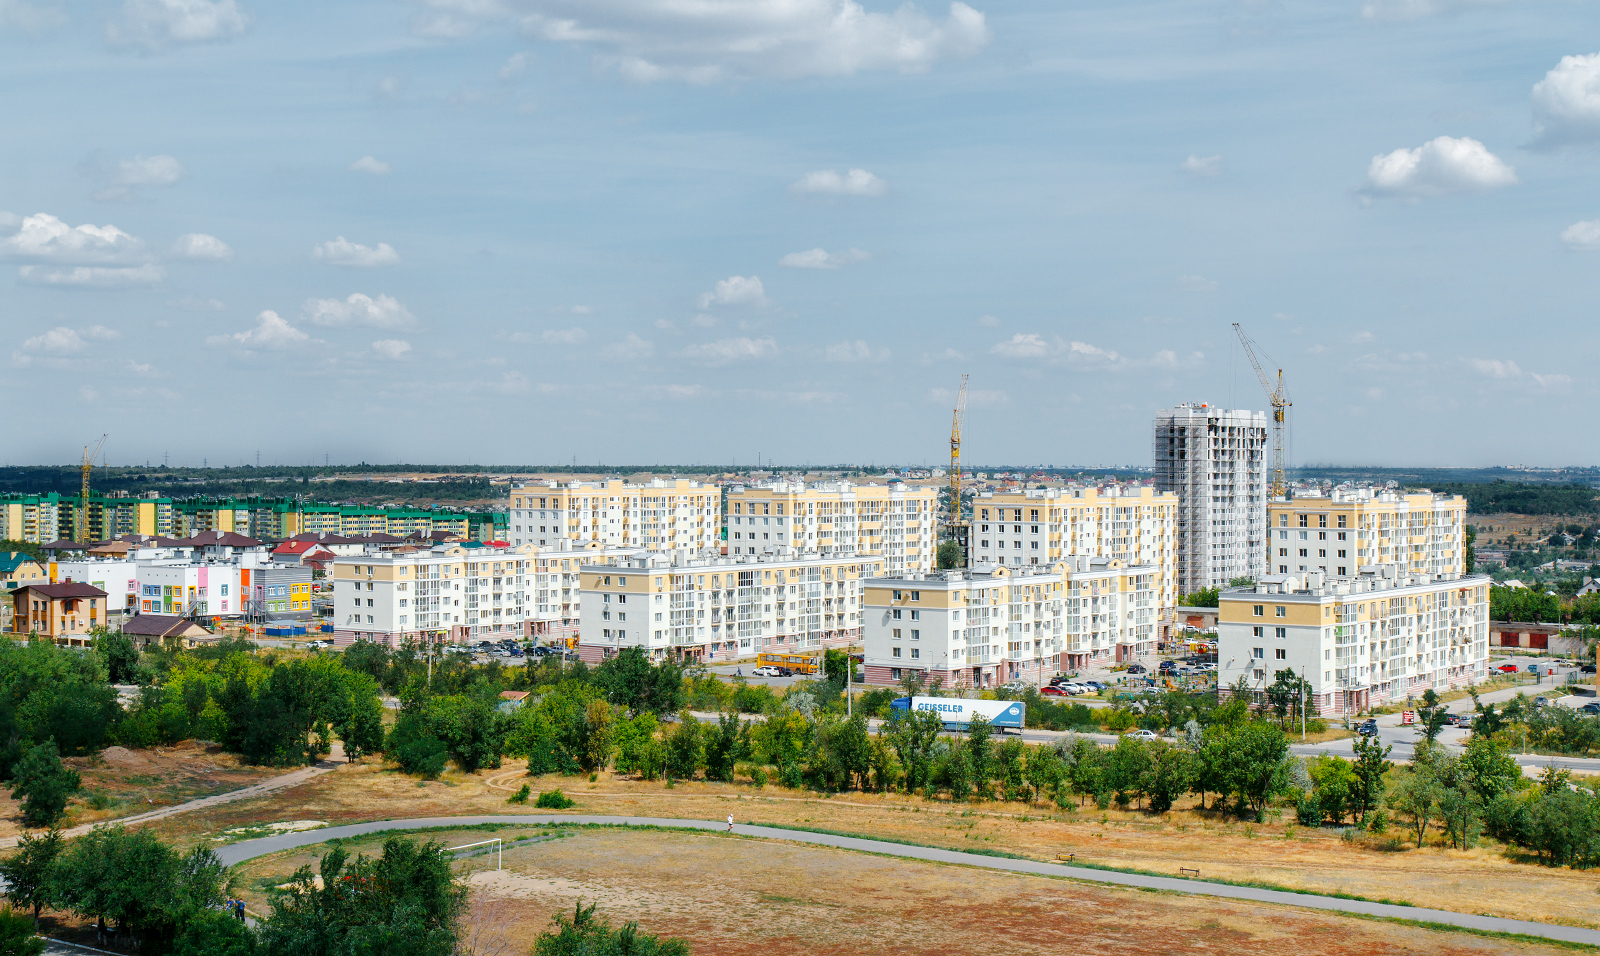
293, 778
250, 849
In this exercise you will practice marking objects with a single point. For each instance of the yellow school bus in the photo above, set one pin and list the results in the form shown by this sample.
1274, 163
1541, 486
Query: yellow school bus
799, 663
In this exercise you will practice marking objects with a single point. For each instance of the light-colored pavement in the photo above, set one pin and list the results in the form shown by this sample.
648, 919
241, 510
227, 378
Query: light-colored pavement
250, 849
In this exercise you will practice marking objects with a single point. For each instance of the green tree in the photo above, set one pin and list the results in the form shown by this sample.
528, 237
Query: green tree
1338, 787
1489, 769
1369, 767
43, 784
1046, 770
29, 873
1168, 775
1255, 765
949, 556
1011, 768
17, 935
725, 744
979, 748
598, 729
630, 680
588, 935
120, 656
133, 879
686, 748
1431, 715
1205, 597
1417, 795
913, 735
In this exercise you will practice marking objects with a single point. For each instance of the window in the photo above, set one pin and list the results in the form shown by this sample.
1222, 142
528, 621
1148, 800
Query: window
1258, 610
1322, 521
1282, 633
894, 652
1282, 654
1258, 632
897, 595
897, 633
916, 615
1283, 521
1259, 653
1322, 552
1302, 520
1283, 552
915, 596
897, 614
914, 653
916, 635
1341, 524
1341, 571
1280, 611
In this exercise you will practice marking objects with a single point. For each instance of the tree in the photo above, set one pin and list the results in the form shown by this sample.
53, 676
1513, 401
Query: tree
1045, 771
686, 749
1168, 775
133, 879
29, 873
912, 734
1486, 722
120, 656
1417, 795
835, 663
1205, 597
630, 680
406, 902
360, 726
588, 935
1431, 714
1286, 696
1255, 764
949, 556
1370, 765
1337, 787
724, 746
43, 784
17, 935
1489, 769
980, 757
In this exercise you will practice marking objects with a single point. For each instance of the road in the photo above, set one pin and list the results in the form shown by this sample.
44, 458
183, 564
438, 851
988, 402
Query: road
251, 849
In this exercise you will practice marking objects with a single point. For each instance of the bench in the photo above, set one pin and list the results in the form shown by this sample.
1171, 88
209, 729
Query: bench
1066, 857
1185, 871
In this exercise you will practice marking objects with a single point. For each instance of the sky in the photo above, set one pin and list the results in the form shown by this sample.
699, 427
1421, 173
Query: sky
650, 231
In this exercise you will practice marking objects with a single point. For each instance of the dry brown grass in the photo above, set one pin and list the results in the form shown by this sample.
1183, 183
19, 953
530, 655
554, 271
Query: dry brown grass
729, 895
1482, 880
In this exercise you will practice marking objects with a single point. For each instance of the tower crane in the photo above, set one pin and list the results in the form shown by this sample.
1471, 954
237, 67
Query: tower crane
81, 525
957, 523
1278, 397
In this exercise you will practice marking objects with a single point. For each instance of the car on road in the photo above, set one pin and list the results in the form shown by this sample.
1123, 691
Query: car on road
1142, 735
1507, 668
766, 670
1586, 668
1592, 709
1367, 728
1167, 667
1137, 669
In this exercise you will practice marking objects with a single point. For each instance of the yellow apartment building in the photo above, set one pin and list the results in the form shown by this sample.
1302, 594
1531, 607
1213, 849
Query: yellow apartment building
660, 515
895, 522
1351, 530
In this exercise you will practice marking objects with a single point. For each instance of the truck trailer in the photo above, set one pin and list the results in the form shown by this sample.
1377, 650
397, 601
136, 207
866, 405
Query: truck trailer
957, 713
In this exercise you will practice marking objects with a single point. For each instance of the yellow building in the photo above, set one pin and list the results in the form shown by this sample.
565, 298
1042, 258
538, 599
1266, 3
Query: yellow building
1352, 530
894, 522
1132, 525
661, 515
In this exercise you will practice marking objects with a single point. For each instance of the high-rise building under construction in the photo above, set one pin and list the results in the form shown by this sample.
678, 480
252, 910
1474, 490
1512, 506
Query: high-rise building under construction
1215, 459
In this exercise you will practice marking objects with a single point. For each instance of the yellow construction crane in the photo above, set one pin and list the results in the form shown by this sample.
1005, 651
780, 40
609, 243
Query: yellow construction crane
1279, 398
81, 525
957, 524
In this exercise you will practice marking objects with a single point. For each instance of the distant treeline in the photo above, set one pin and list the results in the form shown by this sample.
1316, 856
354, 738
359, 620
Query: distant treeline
239, 483
1523, 499
1434, 477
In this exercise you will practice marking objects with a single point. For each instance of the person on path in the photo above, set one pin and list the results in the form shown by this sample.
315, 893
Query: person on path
730, 823
738, 672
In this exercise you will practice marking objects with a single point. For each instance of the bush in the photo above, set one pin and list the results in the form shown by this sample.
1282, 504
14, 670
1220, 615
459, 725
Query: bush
16, 935
43, 784
521, 796
553, 800
758, 777
1308, 811
1378, 821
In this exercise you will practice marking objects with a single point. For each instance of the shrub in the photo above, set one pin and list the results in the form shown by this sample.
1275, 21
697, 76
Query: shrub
521, 796
16, 935
1308, 811
758, 777
1378, 821
553, 800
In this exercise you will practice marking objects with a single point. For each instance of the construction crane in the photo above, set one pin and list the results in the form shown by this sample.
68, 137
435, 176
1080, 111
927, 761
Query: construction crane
957, 524
1278, 396
81, 525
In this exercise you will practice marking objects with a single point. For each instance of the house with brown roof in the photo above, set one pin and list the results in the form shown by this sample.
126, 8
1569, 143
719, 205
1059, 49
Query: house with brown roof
64, 612
147, 629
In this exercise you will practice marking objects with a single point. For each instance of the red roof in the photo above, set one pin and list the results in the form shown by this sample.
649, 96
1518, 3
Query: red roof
295, 547
206, 539
67, 589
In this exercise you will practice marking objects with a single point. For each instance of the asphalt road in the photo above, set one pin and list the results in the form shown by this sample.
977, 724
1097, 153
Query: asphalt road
250, 849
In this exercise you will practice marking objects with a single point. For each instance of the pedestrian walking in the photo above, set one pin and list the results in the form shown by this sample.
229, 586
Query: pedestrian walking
730, 823
239, 909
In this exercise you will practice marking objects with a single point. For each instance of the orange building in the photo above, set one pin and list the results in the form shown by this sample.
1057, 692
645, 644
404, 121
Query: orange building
64, 612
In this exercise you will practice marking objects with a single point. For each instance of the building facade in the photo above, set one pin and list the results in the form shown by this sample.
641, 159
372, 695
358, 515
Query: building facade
657, 515
895, 522
279, 592
1349, 530
1359, 642
64, 613
446, 593
1215, 461
1133, 525
715, 608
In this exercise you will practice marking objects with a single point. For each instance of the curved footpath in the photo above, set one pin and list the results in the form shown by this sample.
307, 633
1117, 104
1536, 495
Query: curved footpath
251, 849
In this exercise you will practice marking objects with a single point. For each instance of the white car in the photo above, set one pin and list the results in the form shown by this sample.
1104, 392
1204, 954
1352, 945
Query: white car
767, 670
1142, 735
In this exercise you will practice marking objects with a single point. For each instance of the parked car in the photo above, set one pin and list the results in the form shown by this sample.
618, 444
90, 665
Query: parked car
1592, 709
1097, 685
1167, 667
1054, 691
1138, 669
1142, 735
1507, 668
1586, 668
1367, 728
766, 670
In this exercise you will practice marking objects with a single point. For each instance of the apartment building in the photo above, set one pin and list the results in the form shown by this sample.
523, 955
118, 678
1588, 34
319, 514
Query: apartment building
1360, 641
1114, 613
1215, 461
1133, 525
277, 592
1352, 529
891, 521
714, 608
452, 592
66, 613
657, 515
188, 589
555, 591
17, 569
35, 519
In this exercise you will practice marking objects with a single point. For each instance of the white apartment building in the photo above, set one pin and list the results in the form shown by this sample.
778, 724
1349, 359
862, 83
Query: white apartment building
1215, 460
1353, 528
1114, 613
1133, 525
713, 608
657, 515
1360, 642
555, 589
451, 592
893, 521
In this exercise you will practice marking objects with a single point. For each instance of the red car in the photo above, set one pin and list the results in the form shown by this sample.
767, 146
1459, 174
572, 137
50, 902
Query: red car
1053, 692
1507, 668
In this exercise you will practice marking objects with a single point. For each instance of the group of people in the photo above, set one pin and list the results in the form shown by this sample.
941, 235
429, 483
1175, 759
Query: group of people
235, 906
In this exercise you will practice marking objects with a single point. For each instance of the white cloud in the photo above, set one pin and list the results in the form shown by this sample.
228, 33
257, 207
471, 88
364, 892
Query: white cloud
572, 336
735, 290
1439, 167
9, 220
44, 238
343, 252
271, 332
582, 310
121, 177
154, 25
382, 312
1202, 166
1195, 284
857, 351
1508, 371
391, 348
198, 245
92, 277
1023, 345
629, 349
371, 165
681, 393
62, 339
1582, 235
820, 258
829, 182
1566, 103
703, 321
650, 40
1030, 346
727, 351
514, 67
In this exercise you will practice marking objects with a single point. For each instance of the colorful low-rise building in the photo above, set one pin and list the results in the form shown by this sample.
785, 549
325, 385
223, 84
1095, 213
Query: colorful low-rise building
66, 613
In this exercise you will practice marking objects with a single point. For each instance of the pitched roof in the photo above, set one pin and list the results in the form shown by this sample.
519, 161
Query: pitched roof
325, 537
12, 560
159, 625
63, 545
207, 539
66, 589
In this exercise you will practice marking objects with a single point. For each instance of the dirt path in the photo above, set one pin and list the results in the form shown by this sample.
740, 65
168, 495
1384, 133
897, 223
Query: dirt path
293, 778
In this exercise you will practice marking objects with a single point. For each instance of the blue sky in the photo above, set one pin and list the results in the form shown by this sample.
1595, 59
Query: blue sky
521, 231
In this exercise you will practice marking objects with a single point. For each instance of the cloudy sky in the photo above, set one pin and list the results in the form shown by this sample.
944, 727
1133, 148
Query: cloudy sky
521, 231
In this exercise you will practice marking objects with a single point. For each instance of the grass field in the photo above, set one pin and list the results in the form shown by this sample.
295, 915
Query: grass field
729, 895
1482, 880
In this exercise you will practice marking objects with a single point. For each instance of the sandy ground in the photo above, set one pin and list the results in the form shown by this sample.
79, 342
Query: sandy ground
1483, 880
728, 895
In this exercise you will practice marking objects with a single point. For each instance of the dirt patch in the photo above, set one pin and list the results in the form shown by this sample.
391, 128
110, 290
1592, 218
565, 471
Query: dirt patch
729, 895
